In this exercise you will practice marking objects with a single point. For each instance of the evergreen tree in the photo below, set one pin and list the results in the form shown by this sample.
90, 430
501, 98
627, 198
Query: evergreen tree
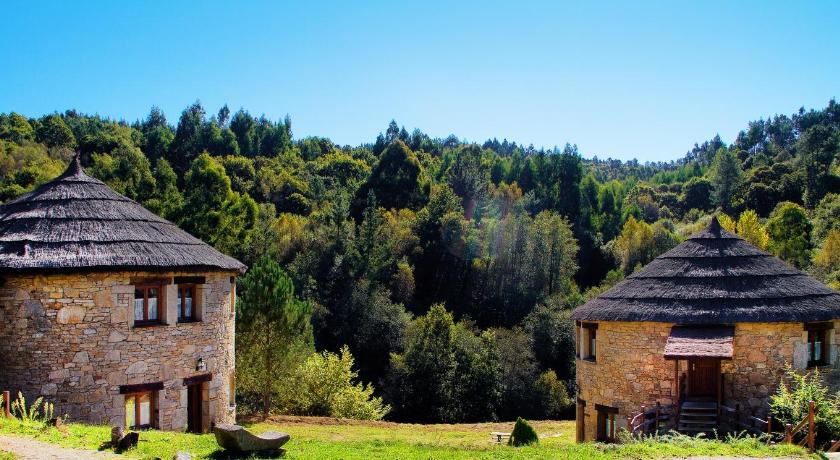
54, 132
273, 330
212, 211
819, 146
726, 178
187, 143
397, 181
790, 234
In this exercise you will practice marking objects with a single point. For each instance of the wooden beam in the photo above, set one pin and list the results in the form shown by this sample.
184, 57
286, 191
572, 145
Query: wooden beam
141, 388
198, 379
676, 395
822, 326
190, 280
150, 281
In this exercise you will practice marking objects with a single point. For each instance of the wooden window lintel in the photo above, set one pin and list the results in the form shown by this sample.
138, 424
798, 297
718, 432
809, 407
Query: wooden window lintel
141, 388
606, 409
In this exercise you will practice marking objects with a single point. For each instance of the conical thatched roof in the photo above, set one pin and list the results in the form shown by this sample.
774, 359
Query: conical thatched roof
77, 222
715, 277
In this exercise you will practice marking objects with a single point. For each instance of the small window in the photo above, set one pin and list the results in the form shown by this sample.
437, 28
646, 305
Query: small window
232, 296
606, 423
818, 350
232, 390
146, 305
589, 333
139, 410
186, 303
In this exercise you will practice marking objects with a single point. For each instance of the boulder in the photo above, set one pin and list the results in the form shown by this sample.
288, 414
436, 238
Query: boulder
116, 435
129, 441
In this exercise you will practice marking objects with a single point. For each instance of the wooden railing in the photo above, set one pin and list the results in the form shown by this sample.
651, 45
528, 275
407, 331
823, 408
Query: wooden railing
736, 420
647, 421
810, 436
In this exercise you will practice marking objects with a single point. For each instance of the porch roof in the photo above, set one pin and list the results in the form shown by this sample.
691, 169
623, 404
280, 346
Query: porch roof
700, 342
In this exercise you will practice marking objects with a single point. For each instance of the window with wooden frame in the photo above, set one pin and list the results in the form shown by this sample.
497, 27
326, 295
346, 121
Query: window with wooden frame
232, 296
232, 389
606, 423
589, 345
140, 410
186, 303
147, 304
818, 343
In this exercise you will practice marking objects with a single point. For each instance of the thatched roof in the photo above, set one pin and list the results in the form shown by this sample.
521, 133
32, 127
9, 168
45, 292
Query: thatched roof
700, 342
715, 277
77, 222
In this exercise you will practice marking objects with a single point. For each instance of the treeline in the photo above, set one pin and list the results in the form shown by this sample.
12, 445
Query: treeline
447, 269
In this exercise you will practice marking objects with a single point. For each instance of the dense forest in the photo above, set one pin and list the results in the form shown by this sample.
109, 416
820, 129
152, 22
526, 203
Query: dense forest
437, 273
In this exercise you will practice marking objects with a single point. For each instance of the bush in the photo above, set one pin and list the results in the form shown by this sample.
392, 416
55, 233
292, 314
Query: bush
325, 385
552, 394
523, 434
790, 403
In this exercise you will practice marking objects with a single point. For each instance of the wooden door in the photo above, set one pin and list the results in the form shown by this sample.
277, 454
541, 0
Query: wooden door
703, 377
194, 404
580, 435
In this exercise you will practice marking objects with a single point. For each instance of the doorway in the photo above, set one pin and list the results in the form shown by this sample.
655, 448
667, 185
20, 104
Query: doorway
195, 405
703, 377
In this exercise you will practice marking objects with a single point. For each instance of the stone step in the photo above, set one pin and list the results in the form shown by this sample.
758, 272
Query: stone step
698, 405
695, 430
698, 422
696, 411
698, 415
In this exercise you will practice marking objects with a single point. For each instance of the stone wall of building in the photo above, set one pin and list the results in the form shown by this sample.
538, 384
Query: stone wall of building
761, 351
72, 339
630, 370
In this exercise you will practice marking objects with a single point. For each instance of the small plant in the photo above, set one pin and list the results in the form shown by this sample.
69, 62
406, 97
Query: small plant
39, 411
523, 434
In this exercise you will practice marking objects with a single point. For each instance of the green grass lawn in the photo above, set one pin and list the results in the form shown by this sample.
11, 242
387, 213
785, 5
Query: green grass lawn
320, 438
6, 456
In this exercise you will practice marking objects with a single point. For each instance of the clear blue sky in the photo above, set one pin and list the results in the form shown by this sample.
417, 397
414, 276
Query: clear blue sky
622, 79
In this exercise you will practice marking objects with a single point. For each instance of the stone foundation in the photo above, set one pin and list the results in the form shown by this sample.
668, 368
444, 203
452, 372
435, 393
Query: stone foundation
630, 370
71, 338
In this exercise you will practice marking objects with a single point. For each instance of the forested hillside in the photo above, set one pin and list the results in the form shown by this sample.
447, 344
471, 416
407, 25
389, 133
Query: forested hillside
447, 269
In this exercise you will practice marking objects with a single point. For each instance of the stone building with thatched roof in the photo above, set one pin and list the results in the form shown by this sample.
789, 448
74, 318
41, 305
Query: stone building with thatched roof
712, 323
113, 314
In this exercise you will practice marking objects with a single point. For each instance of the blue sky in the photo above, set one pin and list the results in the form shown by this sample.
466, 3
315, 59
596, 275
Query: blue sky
620, 79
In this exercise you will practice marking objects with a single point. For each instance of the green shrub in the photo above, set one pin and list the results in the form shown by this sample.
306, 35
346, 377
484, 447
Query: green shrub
790, 403
325, 384
552, 394
523, 434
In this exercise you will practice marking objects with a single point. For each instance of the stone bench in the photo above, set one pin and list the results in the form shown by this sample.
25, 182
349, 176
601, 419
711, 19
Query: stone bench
237, 438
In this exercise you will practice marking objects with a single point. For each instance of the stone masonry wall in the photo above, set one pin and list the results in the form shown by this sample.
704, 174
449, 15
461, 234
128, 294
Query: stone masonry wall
71, 338
630, 369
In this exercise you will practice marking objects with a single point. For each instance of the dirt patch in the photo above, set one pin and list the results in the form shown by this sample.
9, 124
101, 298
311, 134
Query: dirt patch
30, 449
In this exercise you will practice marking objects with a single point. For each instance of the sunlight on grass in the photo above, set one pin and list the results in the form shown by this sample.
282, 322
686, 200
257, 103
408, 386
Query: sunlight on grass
325, 438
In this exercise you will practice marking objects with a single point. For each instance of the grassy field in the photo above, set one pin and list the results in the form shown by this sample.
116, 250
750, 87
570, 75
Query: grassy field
324, 438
